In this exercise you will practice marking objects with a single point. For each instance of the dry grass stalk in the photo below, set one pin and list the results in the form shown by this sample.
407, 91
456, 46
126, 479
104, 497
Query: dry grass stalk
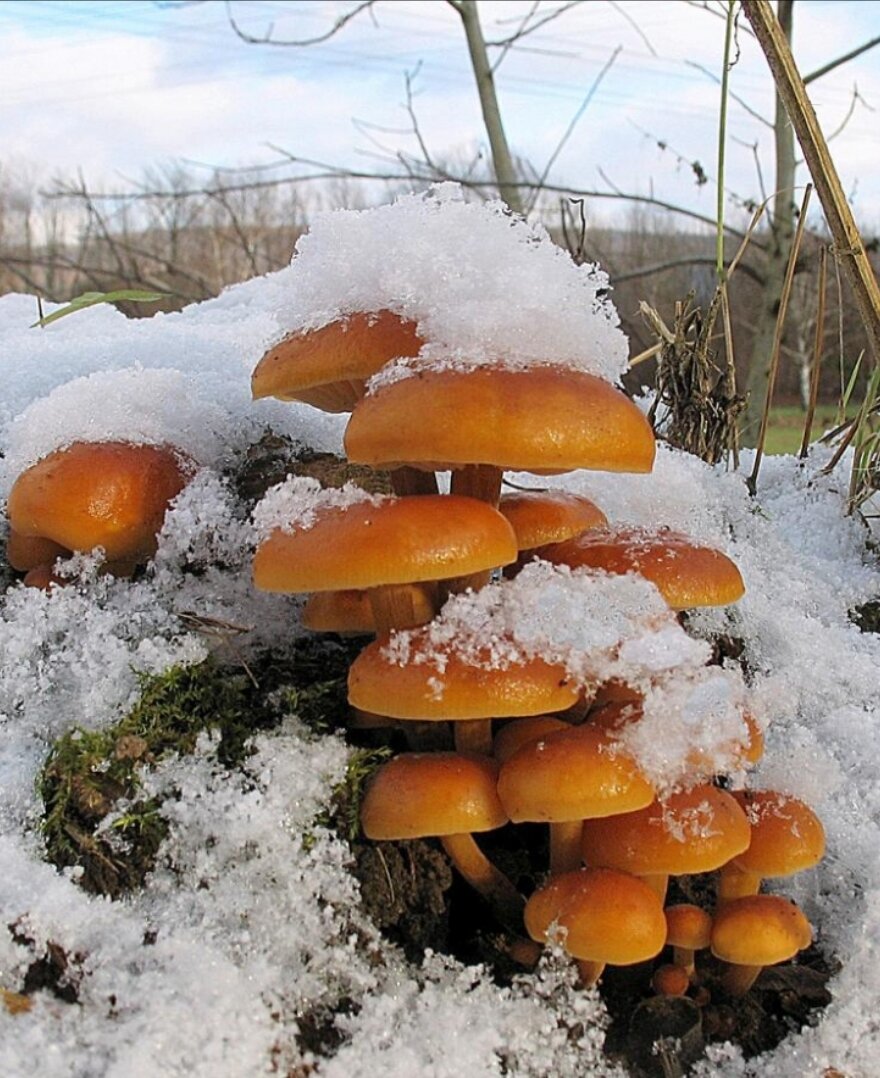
816, 363
696, 402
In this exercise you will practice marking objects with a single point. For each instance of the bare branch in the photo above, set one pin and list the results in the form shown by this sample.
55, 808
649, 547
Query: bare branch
626, 15
268, 39
525, 29
677, 263
740, 101
721, 13
597, 82
832, 64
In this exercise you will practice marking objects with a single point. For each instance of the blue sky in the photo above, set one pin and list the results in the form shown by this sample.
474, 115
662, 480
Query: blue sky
116, 87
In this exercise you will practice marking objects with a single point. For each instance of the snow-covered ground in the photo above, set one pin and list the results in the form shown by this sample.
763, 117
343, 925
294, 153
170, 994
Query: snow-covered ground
251, 919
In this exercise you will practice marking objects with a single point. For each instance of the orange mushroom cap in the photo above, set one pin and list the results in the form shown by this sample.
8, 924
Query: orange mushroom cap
519, 732
89, 494
688, 927
787, 836
687, 574
420, 689
542, 517
606, 916
695, 831
327, 367
571, 775
759, 930
543, 419
417, 795
393, 541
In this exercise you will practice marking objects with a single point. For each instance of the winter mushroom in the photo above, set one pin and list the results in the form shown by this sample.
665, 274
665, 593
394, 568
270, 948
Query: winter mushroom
787, 837
377, 544
540, 518
599, 916
112, 495
686, 573
448, 796
756, 931
412, 678
328, 367
480, 422
564, 778
513, 735
698, 830
688, 929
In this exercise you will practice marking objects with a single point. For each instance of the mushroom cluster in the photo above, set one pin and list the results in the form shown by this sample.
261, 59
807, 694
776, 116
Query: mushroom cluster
600, 718
540, 728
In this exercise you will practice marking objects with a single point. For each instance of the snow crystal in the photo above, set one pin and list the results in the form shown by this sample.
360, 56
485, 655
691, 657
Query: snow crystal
296, 504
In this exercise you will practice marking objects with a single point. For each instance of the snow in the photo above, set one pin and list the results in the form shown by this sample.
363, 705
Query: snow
251, 921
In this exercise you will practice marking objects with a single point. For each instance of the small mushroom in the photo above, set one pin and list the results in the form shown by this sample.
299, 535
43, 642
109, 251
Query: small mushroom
686, 573
787, 837
380, 544
599, 916
540, 518
756, 931
112, 495
698, 830
442, 685
448, 796
688, 929
564, 778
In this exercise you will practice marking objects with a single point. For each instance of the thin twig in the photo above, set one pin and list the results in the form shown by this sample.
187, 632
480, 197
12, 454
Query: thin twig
816, 367
752, 481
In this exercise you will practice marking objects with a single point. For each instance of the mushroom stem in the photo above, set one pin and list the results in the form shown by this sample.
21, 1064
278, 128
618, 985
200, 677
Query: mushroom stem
737, 980
473, 735
590, 972
480, 481
683, 957
658, 882
392, 608
407, 481
506, 902
565, 846
457, 585
736, 882
524, 952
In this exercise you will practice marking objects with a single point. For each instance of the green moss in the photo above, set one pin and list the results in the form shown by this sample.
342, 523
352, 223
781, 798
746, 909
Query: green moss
90, 774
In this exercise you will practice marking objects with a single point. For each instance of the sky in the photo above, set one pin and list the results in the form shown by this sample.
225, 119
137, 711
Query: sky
113, 88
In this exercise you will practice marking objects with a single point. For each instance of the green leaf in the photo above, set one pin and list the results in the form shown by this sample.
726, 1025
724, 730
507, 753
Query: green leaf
90, 299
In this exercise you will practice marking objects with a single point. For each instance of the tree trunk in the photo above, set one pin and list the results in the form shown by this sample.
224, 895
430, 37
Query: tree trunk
502, 162
781, 233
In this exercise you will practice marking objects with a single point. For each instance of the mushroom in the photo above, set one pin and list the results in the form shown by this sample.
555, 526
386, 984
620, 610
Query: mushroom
416, 679
600, 917
686, 573
479, 422
698, 830
756, 931
513, 735
688, 929
562, 779
540, 518
448, 796
328, 368
112, 495
787, 837
380, 543
670, 980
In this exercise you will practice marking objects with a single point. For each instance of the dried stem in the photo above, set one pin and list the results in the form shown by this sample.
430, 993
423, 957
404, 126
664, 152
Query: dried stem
816, 363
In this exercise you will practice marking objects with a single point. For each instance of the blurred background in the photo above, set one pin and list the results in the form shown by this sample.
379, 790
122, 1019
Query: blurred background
182, 146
